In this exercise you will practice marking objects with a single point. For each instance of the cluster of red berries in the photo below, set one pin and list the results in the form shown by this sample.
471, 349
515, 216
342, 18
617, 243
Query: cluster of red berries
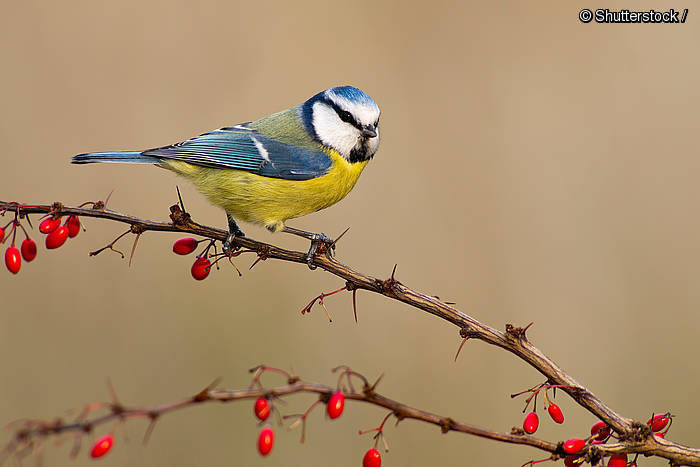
334, 409
266, 438
532, 421
600, 432
202, 266
56, 235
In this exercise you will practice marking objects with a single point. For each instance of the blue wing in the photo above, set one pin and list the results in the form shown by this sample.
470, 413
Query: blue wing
243, 148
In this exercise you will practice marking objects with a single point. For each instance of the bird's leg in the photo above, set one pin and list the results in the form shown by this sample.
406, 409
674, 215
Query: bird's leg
316, 239
233, 232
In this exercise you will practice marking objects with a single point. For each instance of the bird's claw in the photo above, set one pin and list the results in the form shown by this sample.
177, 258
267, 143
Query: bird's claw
316, 240
228, 251
229, 248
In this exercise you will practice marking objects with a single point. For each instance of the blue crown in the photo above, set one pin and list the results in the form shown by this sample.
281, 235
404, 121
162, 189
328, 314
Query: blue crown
352, 94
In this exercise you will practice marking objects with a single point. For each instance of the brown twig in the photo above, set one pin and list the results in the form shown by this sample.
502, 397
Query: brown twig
33, 432
633, 435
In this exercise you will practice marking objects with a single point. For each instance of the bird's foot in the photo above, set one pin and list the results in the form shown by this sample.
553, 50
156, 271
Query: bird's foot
320, 242
233, 232
325, 243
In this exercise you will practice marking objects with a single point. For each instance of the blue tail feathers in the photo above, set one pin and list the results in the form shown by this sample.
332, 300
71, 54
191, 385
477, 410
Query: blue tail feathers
128, 157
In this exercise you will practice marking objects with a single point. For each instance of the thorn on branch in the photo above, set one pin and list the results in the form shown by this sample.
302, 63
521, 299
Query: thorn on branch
149, 431
464, 341
518, 333
354, 303
179, 217
203, 395
262, 255
351, 286
331, 247
179, 198
387, 286
136, 241
116, 406
374, 386
98, 205
466, 333
446, 303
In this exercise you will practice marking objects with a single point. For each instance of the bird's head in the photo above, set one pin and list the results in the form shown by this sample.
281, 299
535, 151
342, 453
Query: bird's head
345, 119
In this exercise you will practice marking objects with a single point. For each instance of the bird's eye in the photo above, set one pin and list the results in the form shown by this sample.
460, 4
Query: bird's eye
346, 116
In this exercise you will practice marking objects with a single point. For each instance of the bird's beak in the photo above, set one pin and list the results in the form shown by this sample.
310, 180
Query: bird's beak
369, 131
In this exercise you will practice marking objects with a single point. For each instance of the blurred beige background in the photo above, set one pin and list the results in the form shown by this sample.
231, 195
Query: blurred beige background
552, 166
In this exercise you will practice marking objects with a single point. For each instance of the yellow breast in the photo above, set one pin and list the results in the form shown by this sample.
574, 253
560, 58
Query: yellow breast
271, 201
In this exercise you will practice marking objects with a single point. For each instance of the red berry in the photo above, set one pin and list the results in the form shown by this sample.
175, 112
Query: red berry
659, 421
49, 224
660, 435
266, 440
372, 459
573, 445
185, 246
262, 408
336, 404
73, 224
201, 268
13, 261
531, 423
600, 431
102, 446
555, 413
618, 460
28, 249
2, 234
57, 238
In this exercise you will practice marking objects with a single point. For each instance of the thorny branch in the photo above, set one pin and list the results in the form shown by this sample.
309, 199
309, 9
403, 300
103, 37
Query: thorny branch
33, 431
635, 437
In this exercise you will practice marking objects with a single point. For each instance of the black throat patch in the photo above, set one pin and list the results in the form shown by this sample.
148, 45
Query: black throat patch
360, 152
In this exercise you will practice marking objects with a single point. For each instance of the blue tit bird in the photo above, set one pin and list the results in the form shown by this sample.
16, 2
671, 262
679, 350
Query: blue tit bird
280, 167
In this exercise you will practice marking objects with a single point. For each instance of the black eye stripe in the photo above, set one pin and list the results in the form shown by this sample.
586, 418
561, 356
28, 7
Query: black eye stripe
344, 115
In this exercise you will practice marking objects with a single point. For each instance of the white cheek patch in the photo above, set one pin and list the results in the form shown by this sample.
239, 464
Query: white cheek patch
332, 131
